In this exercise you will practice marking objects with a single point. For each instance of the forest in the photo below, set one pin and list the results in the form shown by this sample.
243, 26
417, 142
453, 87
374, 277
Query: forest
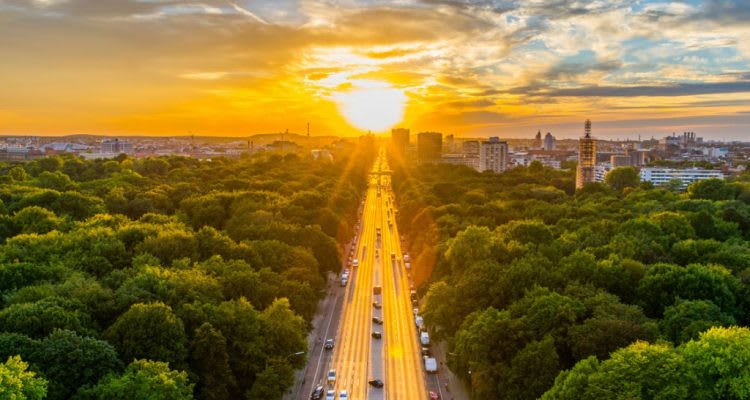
170, 277
616, 291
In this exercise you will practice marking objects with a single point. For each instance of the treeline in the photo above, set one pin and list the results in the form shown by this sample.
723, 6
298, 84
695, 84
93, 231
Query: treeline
615, 283
170, 277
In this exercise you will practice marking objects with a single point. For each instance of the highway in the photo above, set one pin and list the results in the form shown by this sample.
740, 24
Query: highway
396, 357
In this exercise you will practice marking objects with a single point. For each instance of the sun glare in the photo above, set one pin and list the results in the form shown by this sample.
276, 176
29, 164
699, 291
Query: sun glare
370, 105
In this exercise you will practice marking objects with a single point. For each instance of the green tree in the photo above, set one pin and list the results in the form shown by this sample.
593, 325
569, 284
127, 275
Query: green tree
470, 246
36, 219
18, 174
272, 381
686, 319
142, 379
210, 361
622, 177
19, 384
149, 331
70, 361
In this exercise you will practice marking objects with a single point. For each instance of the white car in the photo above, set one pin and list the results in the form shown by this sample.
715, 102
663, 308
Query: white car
332, 377
331, 395
343, 395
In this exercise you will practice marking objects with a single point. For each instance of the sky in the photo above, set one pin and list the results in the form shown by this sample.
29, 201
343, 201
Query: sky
469, 67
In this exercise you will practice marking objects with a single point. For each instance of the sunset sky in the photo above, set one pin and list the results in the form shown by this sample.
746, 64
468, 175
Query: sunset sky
472, 68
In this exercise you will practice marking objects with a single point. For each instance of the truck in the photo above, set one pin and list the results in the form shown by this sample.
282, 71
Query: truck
424, 338
430, 365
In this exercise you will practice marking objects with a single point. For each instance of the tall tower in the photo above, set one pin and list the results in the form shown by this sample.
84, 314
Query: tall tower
586, 158
400, 141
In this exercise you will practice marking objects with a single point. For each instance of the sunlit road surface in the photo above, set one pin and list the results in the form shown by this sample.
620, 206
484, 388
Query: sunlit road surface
396, 358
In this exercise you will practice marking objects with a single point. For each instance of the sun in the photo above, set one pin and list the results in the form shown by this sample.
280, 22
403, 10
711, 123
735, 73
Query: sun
372, 105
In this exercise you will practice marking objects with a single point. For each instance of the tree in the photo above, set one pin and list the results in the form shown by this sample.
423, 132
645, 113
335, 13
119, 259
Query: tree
719, 360
622, 177
283, 331
532, 371
70, 361
36, 219
54, 180
142, 379
40, 318
712, 189
18, 174
472, 245
686, 319
210, 361
149, 331
272, 381
18, 384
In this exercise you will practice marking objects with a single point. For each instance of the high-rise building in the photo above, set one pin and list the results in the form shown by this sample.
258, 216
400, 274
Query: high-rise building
550, 143
585, 173
429, 147
538, 140
493, 155
449, 143
400, 140
470, 148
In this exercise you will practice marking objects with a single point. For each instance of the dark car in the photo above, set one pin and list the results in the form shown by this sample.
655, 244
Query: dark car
376, 383
426, 351
377, 335
377, 320
329, 344
317, 393
376, 304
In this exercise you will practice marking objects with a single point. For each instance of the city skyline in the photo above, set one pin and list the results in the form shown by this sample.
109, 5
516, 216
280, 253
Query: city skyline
472, 68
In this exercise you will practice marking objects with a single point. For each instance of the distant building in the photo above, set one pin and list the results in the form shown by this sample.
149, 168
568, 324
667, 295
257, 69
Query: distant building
116, 146
461, 159
449, 143
19, 154
550, 143
493, 155
538, 140
620, 160
322, 154
429, 147
400, 140
470, 148
660, 176
601, 171
586, 158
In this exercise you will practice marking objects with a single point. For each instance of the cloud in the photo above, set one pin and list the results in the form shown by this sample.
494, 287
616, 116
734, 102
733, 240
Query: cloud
686, 89
473, 61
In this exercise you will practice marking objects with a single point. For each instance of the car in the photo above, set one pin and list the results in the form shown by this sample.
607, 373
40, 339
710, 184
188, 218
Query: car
331, 395
426, 352
376, 383
377, 335
343, 395
376, 304
434, 396
332, 377
317, 393
329, 344
377, 320
415, 311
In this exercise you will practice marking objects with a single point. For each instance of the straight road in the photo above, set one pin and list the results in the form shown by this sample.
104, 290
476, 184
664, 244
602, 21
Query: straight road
347, 315
396, 357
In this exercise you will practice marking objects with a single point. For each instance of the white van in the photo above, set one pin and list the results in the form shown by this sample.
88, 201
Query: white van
424, 338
